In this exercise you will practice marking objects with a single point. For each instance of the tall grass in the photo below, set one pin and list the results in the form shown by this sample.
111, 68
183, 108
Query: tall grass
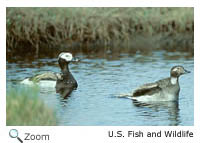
42, 30
23, 107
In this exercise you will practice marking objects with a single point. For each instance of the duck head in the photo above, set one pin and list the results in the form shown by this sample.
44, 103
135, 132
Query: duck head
176, 71
64, 59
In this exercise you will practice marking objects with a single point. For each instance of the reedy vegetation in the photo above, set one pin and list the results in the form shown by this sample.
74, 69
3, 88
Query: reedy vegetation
24, 108
42, 30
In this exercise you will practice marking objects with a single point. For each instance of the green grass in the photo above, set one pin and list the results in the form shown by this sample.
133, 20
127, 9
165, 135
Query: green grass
89, 30
24, 108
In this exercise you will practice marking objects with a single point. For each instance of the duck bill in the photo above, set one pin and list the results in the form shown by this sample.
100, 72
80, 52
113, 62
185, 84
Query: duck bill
186, 71
75, 60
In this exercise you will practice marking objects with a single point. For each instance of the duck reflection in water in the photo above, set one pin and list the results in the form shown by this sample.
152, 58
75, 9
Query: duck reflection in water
149, 109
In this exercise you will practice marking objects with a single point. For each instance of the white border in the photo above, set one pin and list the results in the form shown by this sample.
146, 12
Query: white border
3, 68
100, 3
196, 66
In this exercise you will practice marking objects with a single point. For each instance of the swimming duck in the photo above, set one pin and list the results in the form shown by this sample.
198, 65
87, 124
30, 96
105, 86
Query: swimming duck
162, 90
64, 82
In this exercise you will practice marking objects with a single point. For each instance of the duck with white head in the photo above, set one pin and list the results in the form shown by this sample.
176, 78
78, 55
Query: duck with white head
64, 82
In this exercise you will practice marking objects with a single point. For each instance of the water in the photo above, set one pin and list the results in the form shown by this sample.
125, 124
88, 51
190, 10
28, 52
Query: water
100, 80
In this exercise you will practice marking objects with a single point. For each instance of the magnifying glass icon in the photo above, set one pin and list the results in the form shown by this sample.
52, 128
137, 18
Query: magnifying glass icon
14, 134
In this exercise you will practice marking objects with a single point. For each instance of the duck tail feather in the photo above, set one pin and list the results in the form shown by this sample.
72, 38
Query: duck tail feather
127, 95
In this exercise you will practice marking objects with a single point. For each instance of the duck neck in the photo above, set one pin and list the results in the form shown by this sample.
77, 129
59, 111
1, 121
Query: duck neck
174, 80
65, 69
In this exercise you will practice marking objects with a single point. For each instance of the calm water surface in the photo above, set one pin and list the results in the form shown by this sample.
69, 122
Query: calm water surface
100, 80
